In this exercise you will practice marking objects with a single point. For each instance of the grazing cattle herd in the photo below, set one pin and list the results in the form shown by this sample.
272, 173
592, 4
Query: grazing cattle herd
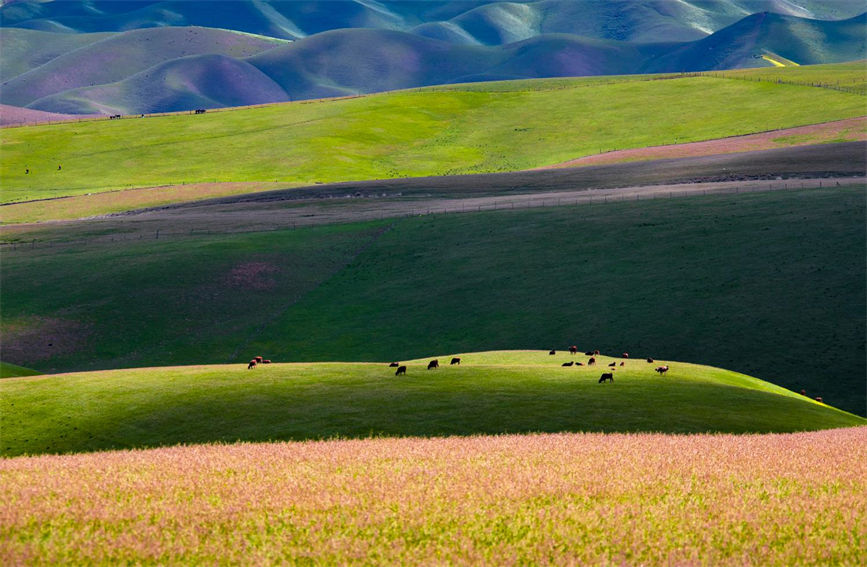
573, 350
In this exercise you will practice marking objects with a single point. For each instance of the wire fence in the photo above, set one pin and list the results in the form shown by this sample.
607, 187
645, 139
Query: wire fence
378, 208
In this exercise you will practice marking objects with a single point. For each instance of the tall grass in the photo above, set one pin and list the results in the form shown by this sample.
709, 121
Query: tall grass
577, 499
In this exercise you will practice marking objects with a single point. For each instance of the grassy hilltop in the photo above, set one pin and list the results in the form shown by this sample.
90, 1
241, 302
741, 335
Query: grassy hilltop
496, 392
438, 131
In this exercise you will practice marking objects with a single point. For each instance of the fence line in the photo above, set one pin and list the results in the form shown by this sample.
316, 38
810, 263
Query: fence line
505, 203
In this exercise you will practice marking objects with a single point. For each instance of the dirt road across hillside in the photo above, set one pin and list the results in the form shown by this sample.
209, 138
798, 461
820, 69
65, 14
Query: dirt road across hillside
774, 170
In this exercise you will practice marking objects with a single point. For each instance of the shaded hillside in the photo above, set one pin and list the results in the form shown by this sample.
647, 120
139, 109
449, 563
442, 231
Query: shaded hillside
200, 81
803, 41
121, 56
475, 21
155, 70
769, 284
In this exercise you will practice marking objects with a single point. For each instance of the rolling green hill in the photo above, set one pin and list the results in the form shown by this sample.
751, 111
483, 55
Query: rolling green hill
499, 392
438, 131
766, 284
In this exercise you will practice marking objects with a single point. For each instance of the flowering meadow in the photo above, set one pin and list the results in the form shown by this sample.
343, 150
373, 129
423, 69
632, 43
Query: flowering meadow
558, 499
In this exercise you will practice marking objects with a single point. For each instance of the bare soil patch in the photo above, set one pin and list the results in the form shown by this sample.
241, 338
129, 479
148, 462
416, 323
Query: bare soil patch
41, 338
851, 130
17, 116
253, 275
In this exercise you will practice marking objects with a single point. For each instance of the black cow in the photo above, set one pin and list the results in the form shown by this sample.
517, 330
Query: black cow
570, 363
573, 349
606, 376
394, 365
400, 370
455, 360
433, 364
613, 364
662, 369
591, 362
252, 364
553, 351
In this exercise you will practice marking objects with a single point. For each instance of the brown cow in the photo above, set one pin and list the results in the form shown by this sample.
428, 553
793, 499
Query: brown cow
625, 355
579, 364
591, 362
400, 370
606, 376
266, 361
455, 360
394, 365
252, 364
596, 352
819, 399
662, 369
259, 359
433, 364
573, 349
622, 364
570, 363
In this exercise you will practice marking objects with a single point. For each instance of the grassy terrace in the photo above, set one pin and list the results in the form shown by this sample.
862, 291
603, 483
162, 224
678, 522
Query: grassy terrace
511, 392
437, 131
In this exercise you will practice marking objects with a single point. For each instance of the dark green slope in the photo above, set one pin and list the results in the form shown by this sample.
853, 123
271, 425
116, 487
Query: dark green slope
767, 284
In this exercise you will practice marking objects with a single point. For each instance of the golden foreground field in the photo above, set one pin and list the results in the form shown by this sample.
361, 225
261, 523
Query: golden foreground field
558, 499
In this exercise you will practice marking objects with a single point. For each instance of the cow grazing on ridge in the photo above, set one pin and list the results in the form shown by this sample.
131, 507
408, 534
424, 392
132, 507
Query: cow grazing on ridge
394, 365
433, 364
252, 364
662, 369
400, 370
258, 359
606, 376
455, 360
819, 399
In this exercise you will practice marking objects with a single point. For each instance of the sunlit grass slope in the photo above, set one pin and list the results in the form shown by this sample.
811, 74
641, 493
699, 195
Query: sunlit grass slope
487, 393
482, 128
767, 284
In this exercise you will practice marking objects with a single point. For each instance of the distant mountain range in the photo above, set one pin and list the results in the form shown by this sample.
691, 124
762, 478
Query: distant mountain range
109, 57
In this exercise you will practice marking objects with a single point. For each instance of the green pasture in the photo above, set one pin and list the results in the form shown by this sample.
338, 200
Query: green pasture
851, 76
165, 406
438, 131
769, 284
